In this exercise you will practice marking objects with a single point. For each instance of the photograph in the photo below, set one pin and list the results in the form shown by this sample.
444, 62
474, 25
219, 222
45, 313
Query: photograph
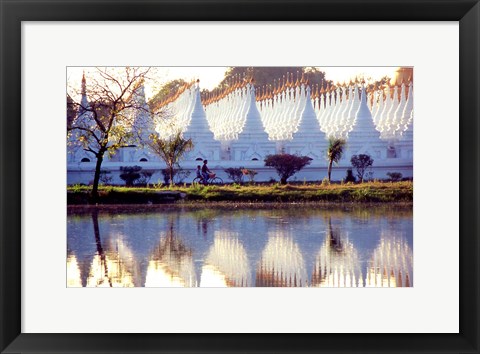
244, 173
239, 176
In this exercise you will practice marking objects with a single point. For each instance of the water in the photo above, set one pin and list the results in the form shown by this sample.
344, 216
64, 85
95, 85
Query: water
233, 246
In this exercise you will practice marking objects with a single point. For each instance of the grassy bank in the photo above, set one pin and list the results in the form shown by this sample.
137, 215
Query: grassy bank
371, 192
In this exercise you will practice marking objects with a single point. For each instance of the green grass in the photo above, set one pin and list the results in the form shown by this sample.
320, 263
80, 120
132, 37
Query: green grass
370, 192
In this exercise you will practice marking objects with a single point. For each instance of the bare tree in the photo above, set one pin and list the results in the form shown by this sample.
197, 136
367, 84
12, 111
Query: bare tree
106, 113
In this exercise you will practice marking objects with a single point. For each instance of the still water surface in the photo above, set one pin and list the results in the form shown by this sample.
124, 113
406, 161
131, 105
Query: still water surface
228, 247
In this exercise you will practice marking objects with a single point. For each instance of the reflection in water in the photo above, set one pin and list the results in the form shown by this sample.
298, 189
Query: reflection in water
226, 264
391, 264
74, 279
337, 264
109, 271
241, 248
171, 264
282, 263
113, 266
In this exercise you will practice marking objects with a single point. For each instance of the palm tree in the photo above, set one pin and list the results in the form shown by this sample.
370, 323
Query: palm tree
170, 150
334, 153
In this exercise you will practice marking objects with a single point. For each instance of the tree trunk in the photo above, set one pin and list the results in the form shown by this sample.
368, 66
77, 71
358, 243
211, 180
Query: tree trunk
170, 168
96, 178
330, 170
283, 180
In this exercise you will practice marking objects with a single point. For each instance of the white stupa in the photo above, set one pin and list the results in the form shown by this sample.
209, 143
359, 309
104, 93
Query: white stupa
143, 126
364, 138
198, 129
83, 119
405, 142
252, 142
308, 140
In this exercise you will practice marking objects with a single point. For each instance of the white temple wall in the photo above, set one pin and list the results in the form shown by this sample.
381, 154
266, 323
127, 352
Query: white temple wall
204, 151
82, 173
313, 150
404, 150
225, 150
378, 152
246, 151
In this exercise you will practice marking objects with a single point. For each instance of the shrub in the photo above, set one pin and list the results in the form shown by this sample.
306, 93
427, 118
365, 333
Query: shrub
286, 165
105, 177
325, 182
394, 176
145, 177
361, 163
179, 175
250, 174
368, 176
130, 174
350, 177
235, 174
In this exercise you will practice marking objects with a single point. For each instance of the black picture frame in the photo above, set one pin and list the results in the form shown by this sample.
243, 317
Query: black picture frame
467, 12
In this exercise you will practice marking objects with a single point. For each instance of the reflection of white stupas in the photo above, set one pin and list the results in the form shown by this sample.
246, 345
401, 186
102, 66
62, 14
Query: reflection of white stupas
226, 264
114, 267
171, 265
391, 264
337, 264
282, 263
74, 279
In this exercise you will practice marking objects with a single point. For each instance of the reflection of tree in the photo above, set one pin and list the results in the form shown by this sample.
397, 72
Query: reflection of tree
202, 226
391, 264
108, 268
226, 263
337, 264
98, 243
282, 263
171, 263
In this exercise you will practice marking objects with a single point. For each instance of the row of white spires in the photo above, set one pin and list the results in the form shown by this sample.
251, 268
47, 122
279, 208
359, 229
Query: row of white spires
291, 110
227, 264
281, 115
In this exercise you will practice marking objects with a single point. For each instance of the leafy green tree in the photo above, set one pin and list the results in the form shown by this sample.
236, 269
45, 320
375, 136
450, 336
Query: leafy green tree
106, 120
287, 165
334, 153
361, 163
170, 150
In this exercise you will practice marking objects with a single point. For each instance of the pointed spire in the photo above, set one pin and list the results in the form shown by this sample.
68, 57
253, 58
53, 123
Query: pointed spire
84, 84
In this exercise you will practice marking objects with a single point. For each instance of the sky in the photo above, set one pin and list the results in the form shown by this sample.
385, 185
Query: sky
210, 76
